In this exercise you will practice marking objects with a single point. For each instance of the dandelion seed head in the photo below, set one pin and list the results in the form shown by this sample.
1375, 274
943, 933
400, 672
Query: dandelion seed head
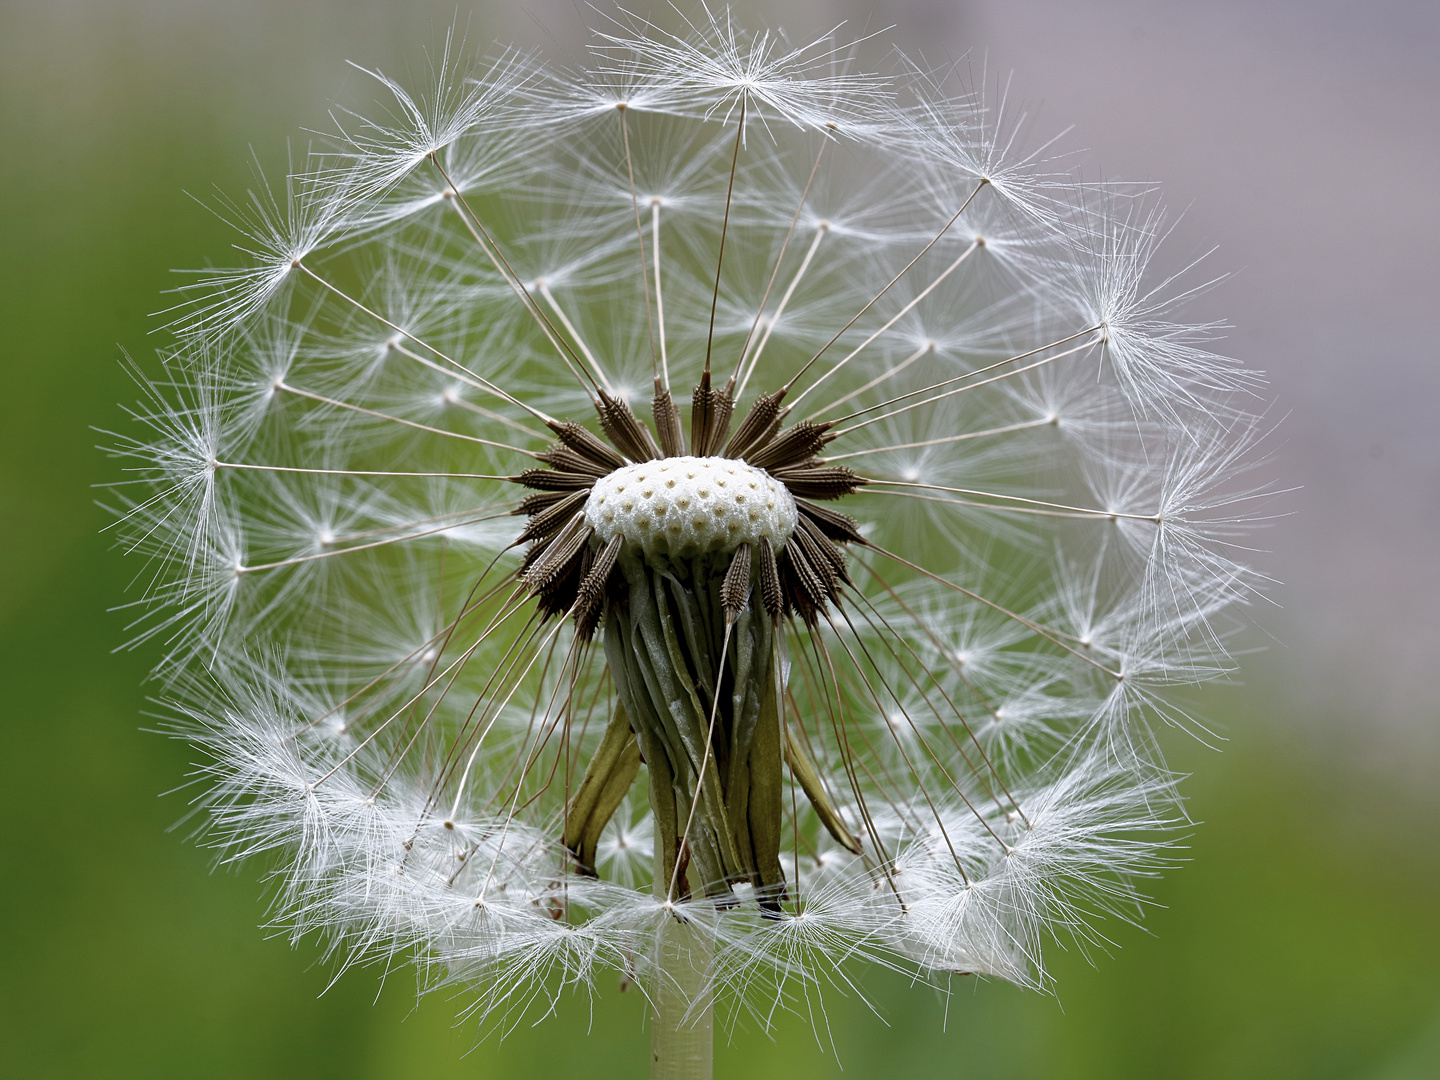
721, 488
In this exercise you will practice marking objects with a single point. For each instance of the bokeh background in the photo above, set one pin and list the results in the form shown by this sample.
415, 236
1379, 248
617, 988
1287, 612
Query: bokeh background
1303, 937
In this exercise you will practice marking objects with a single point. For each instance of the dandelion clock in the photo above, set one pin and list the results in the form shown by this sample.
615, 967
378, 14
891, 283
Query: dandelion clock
716, 519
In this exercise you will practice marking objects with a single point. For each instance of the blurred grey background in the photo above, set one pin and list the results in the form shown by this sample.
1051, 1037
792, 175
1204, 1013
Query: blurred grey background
1302, 138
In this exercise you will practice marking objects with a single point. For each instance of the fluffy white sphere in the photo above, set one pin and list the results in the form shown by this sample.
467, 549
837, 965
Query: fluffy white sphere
1050, 472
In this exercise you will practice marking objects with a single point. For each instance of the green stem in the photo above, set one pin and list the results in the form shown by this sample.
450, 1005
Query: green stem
682, 1040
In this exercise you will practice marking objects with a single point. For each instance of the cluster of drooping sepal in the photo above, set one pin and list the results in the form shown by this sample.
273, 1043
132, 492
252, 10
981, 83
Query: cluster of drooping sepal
692, 565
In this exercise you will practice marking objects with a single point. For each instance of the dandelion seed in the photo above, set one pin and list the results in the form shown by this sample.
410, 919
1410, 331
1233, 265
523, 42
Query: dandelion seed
524, 684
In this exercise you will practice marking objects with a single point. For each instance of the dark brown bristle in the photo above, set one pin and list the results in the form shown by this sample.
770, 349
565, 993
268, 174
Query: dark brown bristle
819, 548
759, 424
819, 481
770, 592
720, 422
631, 438
567, 460
724, 412
701, 406
558, 595
550, 520
819, 559
735, 590
793, 447
534, 504
710, 412
567, 547
834, 525
590, 600
533, 554
667, 422
586, 444
803, 590
551, 480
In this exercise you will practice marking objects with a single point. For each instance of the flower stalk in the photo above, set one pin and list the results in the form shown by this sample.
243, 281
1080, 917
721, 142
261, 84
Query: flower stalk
683, 1018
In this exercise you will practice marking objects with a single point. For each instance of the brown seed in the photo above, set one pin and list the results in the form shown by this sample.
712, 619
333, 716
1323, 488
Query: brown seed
827, 558
567, 460
630, 436
710, 412
735, 589
667, 422
759, 425
565, 549
585, 443
792, 447
550, 520
590, 600
819, 482
770, 591
550, 480
834, 525
534, 504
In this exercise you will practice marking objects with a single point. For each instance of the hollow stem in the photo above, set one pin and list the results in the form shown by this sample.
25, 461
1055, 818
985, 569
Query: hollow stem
682, 1039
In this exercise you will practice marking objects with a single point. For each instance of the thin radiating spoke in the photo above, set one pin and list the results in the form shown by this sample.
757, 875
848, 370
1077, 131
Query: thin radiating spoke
281, 385
492, 251
509, 818
893, 320
640, 239
837, 720
430, 684
888, 373
659, 300
724, 228
975, 504
381, 529
469, 379
532, 625
1048, 634
962, 389
920, 738
780, 258
1083, 511
888, 286
772, 321
871, 613
479, 410
499, 672
544, 287
459, 368
859, 670
944, 439
547, 730
442, 636
354, 472
299, 559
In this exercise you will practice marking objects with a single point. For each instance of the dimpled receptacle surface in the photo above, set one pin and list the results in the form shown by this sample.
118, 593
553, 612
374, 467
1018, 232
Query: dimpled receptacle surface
686, 506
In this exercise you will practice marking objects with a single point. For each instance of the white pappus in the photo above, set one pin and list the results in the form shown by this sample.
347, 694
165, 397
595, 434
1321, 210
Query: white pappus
898, 714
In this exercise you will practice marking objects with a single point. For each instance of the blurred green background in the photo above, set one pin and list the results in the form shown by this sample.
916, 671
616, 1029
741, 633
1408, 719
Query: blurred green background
1302, 939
